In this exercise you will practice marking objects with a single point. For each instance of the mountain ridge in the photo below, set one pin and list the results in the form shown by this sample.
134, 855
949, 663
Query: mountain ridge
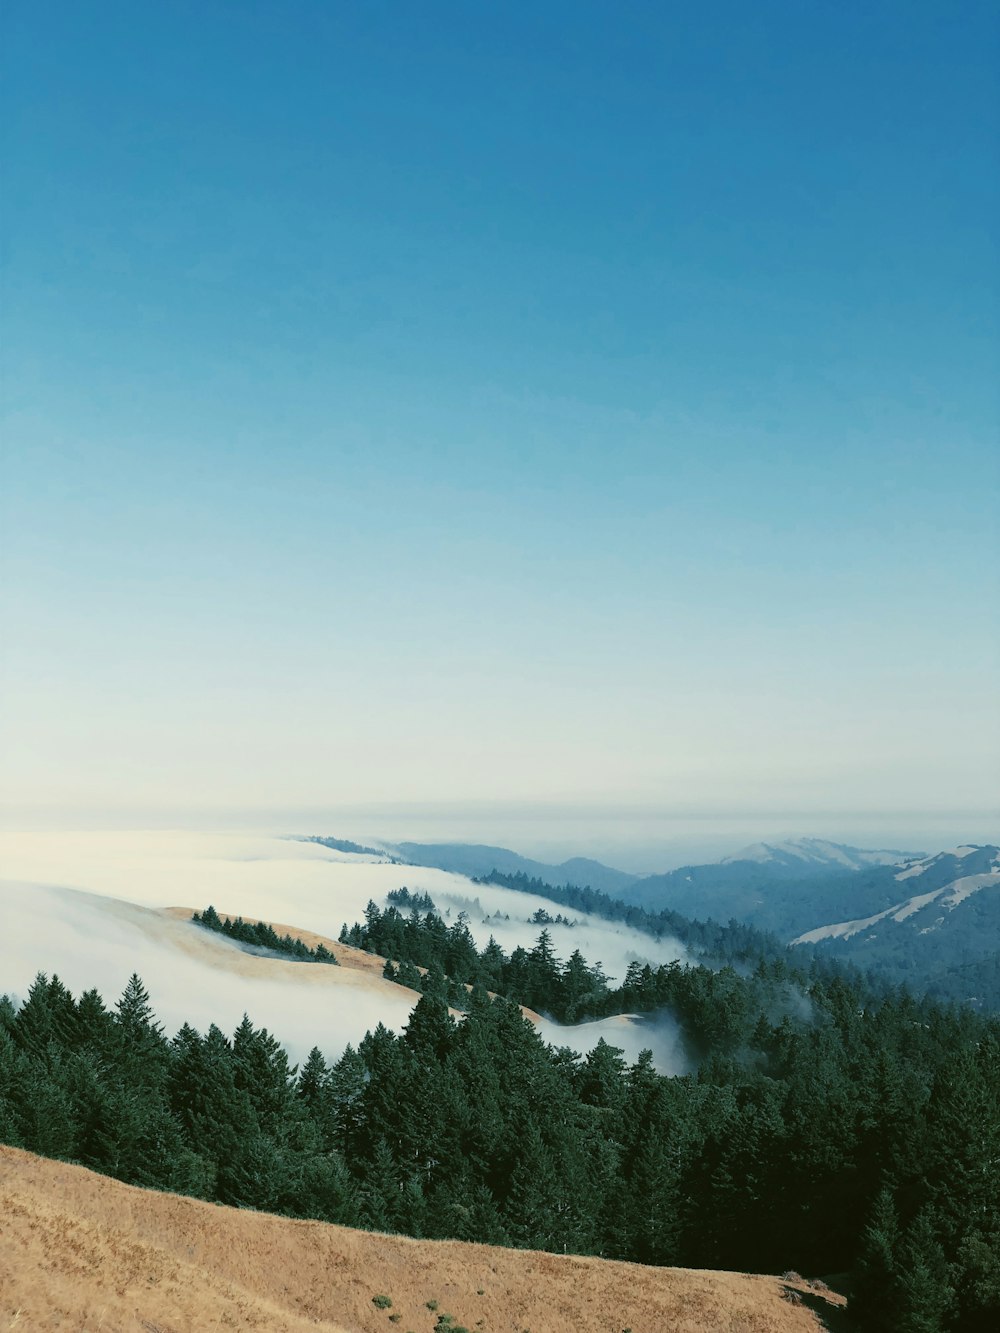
960, 880
799, 853
477, 859
940, 933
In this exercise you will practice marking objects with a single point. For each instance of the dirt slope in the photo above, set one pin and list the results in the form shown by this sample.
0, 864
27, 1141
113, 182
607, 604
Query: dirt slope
83, 1254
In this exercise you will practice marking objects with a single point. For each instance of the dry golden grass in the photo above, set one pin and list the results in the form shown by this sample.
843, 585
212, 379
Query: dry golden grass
344, 954
85, 1254
356, 960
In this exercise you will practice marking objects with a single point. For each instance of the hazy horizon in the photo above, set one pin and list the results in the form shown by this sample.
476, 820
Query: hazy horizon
637, 841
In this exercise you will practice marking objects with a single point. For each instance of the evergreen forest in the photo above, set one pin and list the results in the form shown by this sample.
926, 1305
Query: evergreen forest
827, 1128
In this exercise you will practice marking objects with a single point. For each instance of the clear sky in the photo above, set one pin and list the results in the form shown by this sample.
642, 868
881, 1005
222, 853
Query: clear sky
565, 407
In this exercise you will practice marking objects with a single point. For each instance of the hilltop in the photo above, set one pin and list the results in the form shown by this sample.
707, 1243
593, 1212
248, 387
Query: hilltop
82, 1252
934, 924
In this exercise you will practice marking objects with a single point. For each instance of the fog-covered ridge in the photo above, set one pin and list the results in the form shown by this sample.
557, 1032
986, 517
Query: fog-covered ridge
85, 905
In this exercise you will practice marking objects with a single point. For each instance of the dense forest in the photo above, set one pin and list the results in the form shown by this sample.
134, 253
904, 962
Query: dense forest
847, 1131
716, 1007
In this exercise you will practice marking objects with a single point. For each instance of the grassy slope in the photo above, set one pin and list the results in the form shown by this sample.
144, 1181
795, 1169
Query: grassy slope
84, 1253
347, 956
344, 954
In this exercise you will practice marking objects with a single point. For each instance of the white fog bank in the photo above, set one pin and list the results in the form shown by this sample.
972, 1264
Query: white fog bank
79, 904
192, 975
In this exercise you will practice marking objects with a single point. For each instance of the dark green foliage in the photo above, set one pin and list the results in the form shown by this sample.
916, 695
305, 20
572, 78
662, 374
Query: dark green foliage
408, 975
736, 941
262, 936
828, 1127
717, 1009
927, 1297
404, 899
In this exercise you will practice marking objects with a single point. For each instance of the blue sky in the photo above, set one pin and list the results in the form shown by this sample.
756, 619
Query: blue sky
575, 406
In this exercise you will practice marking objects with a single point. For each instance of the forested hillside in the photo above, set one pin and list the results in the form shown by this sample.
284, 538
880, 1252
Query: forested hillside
260, 935
704, 937
791, 896
930, 946
832, 1130
715, 1006
938, 932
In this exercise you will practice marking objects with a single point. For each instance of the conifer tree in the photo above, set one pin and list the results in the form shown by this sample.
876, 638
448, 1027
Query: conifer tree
977, 1283
94, 1025
926, 1296
348, 1080
137, 1041
380, 1201
878, 1287
14, 1070
530, 1213
430, 1030
261, 1070
48, 1123
47, 1016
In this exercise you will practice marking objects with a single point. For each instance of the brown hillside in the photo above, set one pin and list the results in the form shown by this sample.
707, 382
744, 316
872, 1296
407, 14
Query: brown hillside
345, 954
85, 1254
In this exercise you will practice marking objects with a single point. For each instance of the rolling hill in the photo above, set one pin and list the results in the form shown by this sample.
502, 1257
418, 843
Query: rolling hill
84, 1253
810, 855
939, 931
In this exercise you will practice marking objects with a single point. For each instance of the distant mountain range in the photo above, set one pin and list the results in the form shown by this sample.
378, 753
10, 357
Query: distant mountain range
798, 854
935, 886
783, 887
476, 859
933, 921
794, 858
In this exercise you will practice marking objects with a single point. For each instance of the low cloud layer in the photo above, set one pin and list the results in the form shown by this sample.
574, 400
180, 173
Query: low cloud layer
610, 943
63, 914
631, 1033
191, 976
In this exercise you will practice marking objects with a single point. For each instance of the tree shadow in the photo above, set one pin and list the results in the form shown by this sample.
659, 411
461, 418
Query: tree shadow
824, 1302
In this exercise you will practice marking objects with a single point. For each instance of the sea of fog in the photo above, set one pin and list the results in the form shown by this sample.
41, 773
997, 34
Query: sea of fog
64, 906
192, 975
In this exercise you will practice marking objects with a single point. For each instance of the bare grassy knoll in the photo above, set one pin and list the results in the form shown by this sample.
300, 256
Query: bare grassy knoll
85, 1254
372, 964
345, 955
